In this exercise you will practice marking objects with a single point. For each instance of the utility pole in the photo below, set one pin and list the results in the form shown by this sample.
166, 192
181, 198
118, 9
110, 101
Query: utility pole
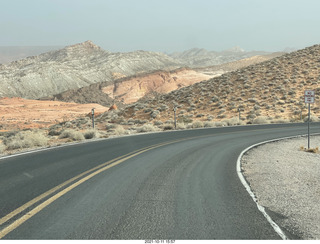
92, 111
239, 114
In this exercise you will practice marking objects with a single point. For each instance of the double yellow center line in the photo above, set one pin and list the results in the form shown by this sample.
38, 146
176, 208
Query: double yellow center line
79, 179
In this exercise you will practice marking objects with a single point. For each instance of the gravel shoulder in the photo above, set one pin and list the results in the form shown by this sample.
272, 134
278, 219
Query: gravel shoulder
286, 181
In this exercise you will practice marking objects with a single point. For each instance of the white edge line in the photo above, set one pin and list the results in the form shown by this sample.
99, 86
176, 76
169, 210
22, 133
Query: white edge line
245, 184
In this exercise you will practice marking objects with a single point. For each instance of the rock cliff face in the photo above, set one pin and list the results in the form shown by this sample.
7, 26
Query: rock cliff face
74, 67
131, 90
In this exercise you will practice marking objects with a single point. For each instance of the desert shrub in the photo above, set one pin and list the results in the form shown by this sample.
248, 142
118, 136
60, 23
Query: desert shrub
26, 139
158, 122
181, 126
232, 121
168, 127
209, 124
119, 130
90, 134
147, 110
2, 147
169, 121
197, 124
312, 119
110, 126
163, 108
146, 128
220, 123
71, 134
54, 131
154, 114
261, 120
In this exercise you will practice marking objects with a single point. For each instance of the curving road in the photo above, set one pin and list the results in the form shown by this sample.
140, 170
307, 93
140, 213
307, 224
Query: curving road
173, 185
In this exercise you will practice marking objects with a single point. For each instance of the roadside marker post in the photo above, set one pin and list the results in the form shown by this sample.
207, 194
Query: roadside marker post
92, 118
175, 118
309, 98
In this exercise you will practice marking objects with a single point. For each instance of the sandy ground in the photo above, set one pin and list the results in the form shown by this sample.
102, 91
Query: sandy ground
286, 181
19, 113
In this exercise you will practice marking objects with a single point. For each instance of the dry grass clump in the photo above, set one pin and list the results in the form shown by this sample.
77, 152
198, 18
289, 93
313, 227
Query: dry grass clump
25, 139
312, 150
71, 134
261, 120
147, 128
197, 124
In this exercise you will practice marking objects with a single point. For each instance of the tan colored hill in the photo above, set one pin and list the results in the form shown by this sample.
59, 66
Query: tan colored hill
131, 90
19, 113
273, 88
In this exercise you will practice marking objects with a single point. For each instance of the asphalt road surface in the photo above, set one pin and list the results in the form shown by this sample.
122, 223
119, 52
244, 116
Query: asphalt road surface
171, 186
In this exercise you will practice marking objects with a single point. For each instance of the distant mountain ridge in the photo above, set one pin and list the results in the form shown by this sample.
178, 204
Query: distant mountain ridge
74, 67
199, 57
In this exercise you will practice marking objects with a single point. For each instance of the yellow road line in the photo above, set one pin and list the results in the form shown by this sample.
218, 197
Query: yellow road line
38, 208
47, 193
97, 169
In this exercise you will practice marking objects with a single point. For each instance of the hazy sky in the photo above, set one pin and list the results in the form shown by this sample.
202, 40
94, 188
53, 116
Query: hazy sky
162, 25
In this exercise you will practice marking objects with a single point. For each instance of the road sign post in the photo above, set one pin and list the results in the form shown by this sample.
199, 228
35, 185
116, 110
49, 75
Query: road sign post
309, 98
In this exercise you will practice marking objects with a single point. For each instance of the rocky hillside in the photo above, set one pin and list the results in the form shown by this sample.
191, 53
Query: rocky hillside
269, 90
74, 67
197, 57
132, 88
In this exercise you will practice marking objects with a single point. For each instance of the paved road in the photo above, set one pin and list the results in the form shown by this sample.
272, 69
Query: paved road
175, 185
